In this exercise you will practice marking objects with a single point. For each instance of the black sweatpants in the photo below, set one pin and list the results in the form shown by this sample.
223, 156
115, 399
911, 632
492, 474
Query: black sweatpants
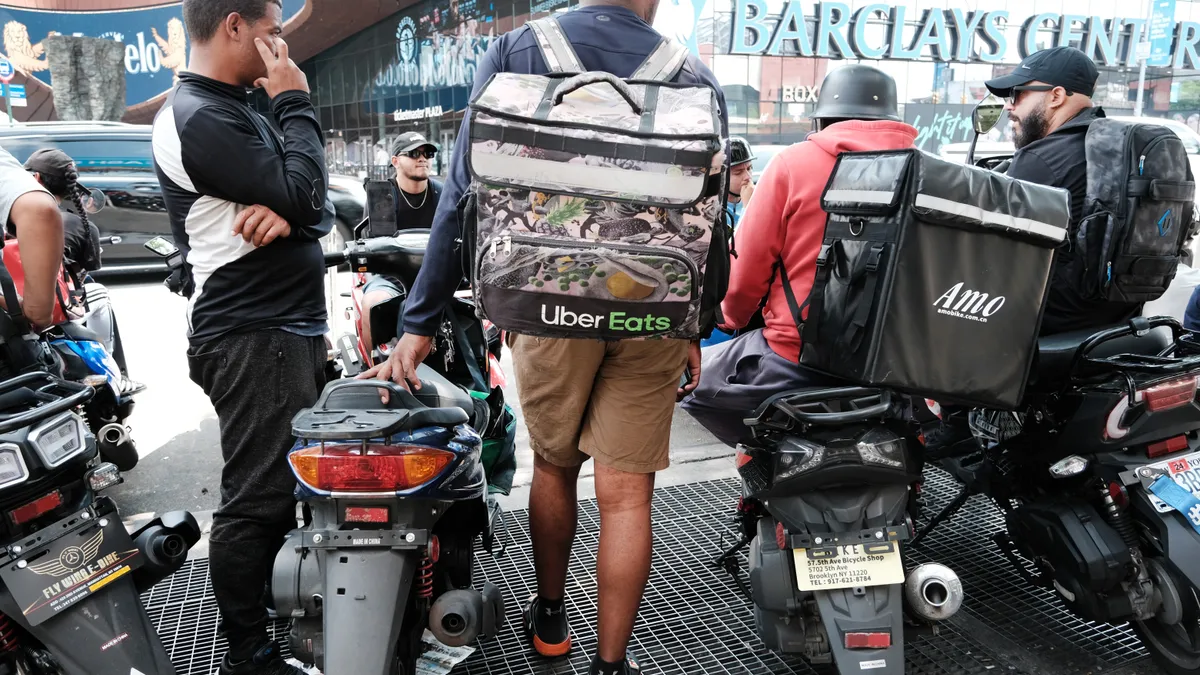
257, 381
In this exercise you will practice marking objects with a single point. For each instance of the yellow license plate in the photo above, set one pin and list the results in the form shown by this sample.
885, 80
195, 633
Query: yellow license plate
834, 567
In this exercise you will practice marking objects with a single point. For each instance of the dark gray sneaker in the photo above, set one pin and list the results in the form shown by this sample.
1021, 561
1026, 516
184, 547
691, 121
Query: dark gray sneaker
629, 667
266, 661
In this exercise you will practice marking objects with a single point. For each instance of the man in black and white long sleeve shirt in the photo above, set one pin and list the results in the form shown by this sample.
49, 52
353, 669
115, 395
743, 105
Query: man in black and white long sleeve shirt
247, 209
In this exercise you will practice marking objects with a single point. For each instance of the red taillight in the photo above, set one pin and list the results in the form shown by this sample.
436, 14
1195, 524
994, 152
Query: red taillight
1119, 494
383, 468
868, 640
1171, 394
367, 514
1166, 447
781, 536
742, 458
40, 506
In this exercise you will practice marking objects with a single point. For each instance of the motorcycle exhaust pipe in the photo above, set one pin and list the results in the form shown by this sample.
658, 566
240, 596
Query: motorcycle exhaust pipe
456, 617
113, 434
933, 591
164, 544
117, 446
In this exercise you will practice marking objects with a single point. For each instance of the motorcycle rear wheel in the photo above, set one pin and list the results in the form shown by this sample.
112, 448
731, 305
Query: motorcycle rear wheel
1175, 649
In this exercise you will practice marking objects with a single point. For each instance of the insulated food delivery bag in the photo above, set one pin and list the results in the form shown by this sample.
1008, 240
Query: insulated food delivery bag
594, 198
932, 277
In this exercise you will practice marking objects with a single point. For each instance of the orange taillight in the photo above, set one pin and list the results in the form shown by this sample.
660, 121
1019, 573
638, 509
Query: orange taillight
382, 468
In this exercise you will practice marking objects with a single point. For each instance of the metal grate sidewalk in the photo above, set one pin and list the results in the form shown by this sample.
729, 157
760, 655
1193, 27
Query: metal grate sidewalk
694, 621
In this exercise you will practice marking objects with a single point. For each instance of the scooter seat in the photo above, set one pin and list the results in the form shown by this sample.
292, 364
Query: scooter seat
352, 409
80, 333
1057, 352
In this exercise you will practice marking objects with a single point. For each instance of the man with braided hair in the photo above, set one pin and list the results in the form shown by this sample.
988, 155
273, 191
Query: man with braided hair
56, 172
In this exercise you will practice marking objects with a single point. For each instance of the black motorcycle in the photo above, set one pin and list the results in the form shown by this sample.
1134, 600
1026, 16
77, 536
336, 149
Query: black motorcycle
70, 573
827, 508
1085, 473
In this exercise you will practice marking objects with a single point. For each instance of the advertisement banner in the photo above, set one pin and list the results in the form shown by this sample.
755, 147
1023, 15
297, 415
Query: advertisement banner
156, 44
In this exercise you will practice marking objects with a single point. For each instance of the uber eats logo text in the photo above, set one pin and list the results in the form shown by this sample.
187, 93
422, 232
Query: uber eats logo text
619, 321
964, 303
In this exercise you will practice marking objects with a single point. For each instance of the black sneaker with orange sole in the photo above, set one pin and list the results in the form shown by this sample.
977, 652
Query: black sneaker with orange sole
546, 629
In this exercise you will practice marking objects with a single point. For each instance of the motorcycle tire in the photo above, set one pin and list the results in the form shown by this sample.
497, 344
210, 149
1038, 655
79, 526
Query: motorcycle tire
409, 647
1175, 649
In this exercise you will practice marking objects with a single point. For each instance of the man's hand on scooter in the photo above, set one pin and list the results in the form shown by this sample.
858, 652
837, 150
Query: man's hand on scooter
692, 374
401, 364
260, 226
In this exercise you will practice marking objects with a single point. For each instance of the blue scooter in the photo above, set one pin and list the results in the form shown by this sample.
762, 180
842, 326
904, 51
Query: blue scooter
86, 359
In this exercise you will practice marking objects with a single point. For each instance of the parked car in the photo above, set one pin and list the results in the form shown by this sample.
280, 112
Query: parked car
117, 158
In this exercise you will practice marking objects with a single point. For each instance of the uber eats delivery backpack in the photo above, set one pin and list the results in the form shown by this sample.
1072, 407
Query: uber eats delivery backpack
596, 205
1140, 198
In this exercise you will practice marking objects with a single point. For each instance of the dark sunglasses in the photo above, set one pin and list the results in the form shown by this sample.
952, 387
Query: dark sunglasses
427, 153
1016, 91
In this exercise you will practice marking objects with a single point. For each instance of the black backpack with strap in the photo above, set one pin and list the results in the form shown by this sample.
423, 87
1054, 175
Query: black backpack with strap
1138, 214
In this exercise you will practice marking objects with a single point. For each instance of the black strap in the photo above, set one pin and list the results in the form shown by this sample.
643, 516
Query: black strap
12, 301
810, 331
863, 300
797, 309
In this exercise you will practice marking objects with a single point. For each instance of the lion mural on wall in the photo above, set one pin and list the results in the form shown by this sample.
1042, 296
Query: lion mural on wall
174, 48
25, 56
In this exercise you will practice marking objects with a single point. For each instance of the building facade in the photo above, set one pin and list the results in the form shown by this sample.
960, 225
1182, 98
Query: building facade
414, 70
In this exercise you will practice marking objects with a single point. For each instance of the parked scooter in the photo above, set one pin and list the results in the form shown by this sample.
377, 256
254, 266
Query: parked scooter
86, 358
466, 350
394, 499
400, 257
70, 574
828, 506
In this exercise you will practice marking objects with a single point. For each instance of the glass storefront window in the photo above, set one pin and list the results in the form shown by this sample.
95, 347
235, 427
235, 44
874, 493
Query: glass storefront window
414, 70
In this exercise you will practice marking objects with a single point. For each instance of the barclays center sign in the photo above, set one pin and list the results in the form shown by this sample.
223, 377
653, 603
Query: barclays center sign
877, 31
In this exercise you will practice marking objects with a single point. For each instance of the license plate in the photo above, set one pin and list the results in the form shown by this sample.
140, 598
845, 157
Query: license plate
872, 564
73, 567
1186, 472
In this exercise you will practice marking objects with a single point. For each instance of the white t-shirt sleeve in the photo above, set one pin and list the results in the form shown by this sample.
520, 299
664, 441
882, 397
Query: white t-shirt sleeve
14, 182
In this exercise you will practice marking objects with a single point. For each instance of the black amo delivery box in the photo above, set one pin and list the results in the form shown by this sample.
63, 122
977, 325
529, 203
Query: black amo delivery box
932, 277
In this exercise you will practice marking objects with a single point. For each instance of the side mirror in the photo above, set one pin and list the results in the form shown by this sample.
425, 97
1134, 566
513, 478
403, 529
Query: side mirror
94, 201
987, 114
161, 247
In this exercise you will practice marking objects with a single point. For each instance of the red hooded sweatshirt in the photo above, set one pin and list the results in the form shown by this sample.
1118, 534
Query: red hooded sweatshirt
785, 219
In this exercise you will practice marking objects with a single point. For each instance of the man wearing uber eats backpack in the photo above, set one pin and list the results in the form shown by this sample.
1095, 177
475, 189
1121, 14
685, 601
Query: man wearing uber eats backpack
601, 233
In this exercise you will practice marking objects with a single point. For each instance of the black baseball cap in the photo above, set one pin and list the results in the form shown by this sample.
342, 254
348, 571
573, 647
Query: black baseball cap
1065, 67
410, 141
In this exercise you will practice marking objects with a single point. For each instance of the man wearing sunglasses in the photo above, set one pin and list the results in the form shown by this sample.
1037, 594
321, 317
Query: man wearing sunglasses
1049, 104
416, 196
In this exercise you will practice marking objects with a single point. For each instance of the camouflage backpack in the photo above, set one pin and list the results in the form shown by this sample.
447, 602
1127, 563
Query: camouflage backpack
595, 205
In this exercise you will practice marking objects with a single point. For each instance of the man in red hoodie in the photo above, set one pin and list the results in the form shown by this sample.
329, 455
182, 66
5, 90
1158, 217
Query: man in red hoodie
856, 111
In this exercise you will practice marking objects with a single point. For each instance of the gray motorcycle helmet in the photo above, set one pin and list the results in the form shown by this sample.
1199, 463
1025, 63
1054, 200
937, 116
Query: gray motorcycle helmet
856, 92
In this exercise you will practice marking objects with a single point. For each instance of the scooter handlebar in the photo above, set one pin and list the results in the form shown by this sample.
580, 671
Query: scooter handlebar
335, 258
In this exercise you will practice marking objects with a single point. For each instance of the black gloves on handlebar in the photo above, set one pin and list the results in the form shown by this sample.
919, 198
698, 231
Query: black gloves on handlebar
180, 281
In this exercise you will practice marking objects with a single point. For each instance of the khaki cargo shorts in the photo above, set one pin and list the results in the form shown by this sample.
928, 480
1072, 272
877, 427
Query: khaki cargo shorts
611, 401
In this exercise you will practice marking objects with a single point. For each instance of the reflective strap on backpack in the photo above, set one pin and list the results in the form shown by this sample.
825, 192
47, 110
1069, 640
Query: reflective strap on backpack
557, 51
663, 63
